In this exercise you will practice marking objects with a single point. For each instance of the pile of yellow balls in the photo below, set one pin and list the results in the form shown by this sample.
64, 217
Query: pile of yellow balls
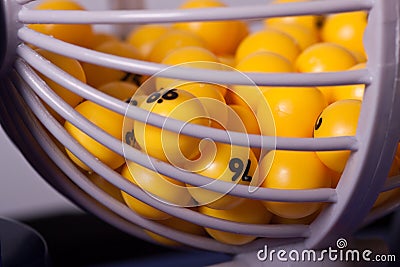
302, 44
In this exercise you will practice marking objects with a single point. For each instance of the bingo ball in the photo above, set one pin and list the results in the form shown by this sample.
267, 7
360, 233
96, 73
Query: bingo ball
338, 119
166, 145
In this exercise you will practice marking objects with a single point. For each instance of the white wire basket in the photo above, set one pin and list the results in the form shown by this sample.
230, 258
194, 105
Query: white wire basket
41, 138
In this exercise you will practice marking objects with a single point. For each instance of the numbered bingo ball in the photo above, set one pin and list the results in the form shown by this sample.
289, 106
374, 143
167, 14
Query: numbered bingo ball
293, 170
268, 40
98, 75
162, 188
230, 164
144, 37
77, 34
249, 211
338, 119
179, 225
221, 37
166, 145
73, 68
294, 109
107, 120
212, 100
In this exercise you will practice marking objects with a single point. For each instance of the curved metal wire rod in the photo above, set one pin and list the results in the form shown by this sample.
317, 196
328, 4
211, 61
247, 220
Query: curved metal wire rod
136, 113
180, 15
215, 76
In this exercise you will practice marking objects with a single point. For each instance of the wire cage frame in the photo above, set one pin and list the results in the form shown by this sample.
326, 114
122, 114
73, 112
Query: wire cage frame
33, 129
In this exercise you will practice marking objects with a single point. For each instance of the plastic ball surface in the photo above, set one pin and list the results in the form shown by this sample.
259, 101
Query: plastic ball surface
221, 37
106, 186
249, 211
99, 75
346, 29
338, 119
138, 206
294, 170
355, 91
303, 35
166, 145
294, 109
324, 57
98, 38
262, 61
231, 164
105, 119
309, 21
119, 89
145, 36
172, 40
78, 34
72, 67
268, 40
188, 57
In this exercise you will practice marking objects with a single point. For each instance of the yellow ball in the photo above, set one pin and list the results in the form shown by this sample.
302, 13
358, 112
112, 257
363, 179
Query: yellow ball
106, 186
172, 40
294, 109
294, 170
165, 145
144, 37
228, 60
305, 220
309, 21
98, 75
77, 34
101, 37
177, 224
338, 119
138, 206
119, 89
268, 40
325, 57
163, 188
212, 100
304, 36
221, 37
229, 164
355, 91
258, 62
188, 57
105, 119
72, 67
249, 211
346, 29
247, 117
